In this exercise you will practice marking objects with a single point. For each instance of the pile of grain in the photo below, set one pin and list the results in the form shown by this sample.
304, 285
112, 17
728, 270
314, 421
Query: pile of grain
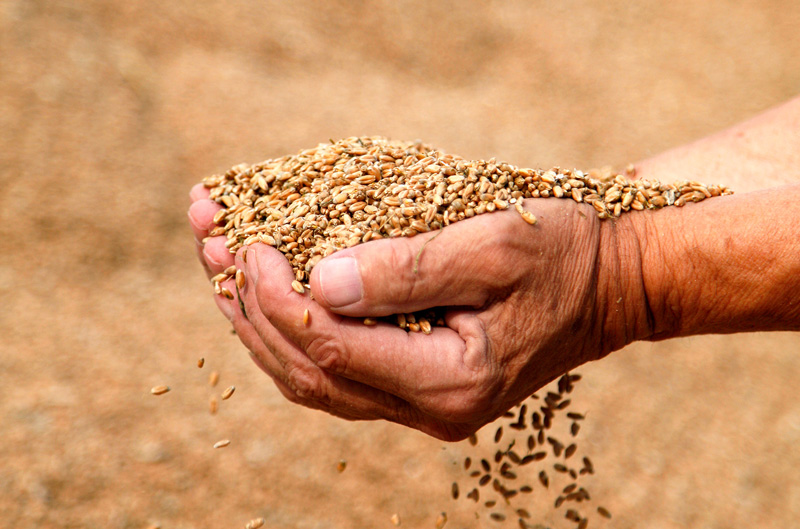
337, 195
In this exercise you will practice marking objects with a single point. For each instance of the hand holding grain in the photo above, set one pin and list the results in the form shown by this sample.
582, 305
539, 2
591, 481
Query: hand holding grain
524, 304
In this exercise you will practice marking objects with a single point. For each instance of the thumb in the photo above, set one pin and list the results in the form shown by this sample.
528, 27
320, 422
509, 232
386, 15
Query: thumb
456, 266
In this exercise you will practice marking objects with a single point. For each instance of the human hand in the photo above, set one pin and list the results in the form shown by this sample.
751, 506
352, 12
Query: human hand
524, 304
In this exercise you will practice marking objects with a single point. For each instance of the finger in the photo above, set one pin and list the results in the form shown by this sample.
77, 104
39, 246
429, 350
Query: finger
459, 265
198, 192
201, 217
309, 382
216, 255
264, 358
421, 369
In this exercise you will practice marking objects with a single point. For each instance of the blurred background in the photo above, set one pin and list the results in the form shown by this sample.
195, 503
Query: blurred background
111, 111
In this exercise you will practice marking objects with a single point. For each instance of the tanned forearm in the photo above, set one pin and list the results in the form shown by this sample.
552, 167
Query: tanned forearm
729, 264
724, 266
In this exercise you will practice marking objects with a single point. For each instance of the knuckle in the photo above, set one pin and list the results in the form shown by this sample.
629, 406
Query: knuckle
328, 354
307, 384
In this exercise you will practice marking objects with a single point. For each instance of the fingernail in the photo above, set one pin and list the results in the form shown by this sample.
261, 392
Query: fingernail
251, 267
340, 281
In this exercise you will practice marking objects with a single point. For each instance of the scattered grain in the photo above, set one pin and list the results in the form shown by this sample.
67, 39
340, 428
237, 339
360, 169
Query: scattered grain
222, 444
228, 392
159, 390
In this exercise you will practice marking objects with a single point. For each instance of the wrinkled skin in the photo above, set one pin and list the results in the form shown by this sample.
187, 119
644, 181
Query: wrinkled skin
524, 304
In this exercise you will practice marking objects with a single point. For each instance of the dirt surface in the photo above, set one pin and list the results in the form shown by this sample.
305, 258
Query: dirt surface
110, 111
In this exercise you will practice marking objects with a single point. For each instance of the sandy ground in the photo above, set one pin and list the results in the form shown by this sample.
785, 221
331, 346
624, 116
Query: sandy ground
110, 111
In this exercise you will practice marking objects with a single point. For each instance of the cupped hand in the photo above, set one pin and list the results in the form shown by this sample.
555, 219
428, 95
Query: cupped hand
523, 304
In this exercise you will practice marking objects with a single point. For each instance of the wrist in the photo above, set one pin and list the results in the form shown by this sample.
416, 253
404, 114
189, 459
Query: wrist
625, 314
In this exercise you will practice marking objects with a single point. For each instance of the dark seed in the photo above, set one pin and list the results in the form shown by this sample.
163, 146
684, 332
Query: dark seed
570, 451
514, 457
526, 489
538, 456
522, 513
574, 378
486, 466
517, 426
498, 456
467, 463
496, 516
490, 504
559, 501
473, 495
570, 488
531, 443
555, 397
583, 524
473, 439
498, 434
540, 439
544, 479
604, 512
572, 515
575, 416
562, 383
572, 474
548, 421
587, 463
522, 411
484, 480
505, 467
563, 404
509, 414
560, 468
575, 428
522, 524
455, 490
509, 494
536, 419
475, 473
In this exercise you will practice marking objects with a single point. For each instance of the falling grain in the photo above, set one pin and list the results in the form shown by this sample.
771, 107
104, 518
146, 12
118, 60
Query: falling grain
201, 362
341, 465
222, 444
441, 520
159, 390
255, 523
228, 392
213, 378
